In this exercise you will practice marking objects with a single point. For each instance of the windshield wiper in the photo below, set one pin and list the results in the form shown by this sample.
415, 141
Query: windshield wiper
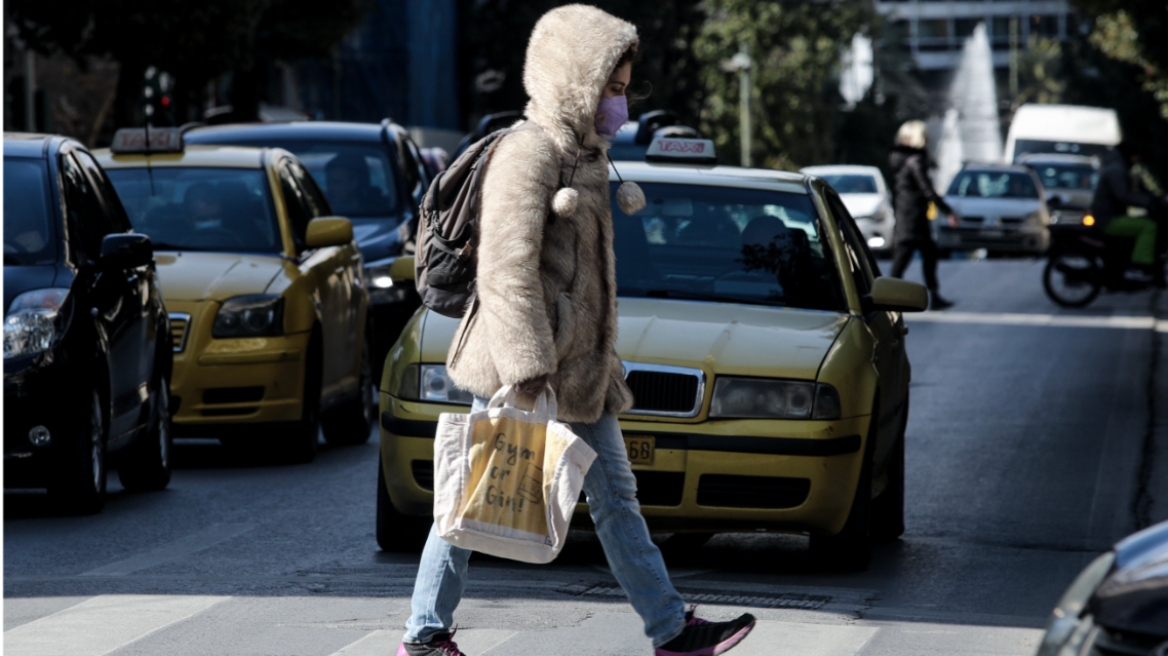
722, 298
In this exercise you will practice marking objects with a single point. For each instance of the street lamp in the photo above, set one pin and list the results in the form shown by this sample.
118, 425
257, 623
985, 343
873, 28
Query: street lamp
742, 63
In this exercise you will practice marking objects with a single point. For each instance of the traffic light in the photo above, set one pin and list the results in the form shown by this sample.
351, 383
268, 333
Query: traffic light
159, 102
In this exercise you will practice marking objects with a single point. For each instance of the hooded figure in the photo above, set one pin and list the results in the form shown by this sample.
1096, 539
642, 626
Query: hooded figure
546, 283
546, 314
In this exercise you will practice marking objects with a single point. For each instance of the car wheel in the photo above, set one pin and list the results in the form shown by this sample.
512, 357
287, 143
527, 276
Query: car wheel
352, 422
851, 548
146, 464
396, 532
80, 486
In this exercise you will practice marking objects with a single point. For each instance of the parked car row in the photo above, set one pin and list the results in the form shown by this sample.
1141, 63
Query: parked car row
198, 283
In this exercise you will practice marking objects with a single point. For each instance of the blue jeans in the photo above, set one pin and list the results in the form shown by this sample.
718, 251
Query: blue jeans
635, 561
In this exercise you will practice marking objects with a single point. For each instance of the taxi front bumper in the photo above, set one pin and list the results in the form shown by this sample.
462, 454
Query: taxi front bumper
231, 383
716, 476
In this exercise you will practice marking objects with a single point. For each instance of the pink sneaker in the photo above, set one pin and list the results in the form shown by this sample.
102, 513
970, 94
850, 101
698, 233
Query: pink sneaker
704, 638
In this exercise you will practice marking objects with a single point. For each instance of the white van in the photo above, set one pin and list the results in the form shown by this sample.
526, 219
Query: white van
1064, 129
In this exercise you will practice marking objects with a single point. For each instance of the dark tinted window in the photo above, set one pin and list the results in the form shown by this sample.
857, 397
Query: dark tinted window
299, 214
83, 210
863, 266
200, 209
851, 184
410, 164
313, 197
358, 179
725, 244
28, 229
993, 184
109, 198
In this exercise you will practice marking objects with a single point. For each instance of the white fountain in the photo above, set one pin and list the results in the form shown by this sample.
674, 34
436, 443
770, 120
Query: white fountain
970, 131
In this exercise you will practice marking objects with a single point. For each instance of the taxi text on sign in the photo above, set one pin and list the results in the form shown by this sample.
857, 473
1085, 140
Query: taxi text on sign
507, 479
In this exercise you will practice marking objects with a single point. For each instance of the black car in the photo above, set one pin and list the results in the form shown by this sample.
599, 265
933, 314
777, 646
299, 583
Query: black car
1118, 604
374, 175
87, 346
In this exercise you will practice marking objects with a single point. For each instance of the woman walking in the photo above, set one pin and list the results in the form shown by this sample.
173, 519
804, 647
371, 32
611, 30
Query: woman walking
911, 194
546, 315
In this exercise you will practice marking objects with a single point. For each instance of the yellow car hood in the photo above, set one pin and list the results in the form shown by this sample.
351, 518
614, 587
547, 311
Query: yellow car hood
722, 338
190, 276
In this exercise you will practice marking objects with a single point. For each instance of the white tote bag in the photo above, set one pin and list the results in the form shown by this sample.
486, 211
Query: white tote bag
506, 480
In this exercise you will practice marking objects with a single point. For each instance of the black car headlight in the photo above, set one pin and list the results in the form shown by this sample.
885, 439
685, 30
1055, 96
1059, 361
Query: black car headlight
430, 382
760, 398
36, 321
251, 315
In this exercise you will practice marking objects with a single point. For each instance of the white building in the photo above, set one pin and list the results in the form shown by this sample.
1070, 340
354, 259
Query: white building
935, 30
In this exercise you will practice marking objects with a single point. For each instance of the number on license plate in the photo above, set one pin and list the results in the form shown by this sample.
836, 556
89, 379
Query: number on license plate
641, 449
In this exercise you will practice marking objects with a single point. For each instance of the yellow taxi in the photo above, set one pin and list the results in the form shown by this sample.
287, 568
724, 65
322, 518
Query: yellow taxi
763, 347
264, 289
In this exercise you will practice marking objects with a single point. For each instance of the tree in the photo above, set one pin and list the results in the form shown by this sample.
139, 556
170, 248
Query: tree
796, 48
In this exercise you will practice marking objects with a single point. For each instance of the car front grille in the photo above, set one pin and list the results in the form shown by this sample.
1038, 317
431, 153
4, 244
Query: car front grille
665, 391
180, 322
726, 491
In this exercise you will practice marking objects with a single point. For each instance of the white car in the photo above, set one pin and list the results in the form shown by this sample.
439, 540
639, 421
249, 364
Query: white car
1069, 182
867, 198
1001, 207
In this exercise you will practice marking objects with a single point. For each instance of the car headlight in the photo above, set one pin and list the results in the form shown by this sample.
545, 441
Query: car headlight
1066, 631
430, 382
36, 321
382, 288
251, 315
758, 398
1035, 217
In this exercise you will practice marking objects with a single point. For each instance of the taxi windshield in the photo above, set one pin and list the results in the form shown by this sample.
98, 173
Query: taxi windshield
200, 208
724, 244
28, 234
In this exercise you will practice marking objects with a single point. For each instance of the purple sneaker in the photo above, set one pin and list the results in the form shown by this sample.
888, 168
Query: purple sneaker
440, 645
703, 638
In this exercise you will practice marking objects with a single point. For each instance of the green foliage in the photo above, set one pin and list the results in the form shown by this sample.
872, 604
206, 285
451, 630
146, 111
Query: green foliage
1041, 74
796, 49
1146, 24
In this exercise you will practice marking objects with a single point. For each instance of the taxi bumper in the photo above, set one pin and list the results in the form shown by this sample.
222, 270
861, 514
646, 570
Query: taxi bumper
231, 382
716, 476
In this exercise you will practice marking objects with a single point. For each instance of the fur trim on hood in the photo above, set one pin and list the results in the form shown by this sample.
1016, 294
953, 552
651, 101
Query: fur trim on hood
572, 52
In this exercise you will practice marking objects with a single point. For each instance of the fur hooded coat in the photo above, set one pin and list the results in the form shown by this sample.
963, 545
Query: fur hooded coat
546, 281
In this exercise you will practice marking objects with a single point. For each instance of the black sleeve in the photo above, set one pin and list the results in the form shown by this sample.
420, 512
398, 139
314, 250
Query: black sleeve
921, 178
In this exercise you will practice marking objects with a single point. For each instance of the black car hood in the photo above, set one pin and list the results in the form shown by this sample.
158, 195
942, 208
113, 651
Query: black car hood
20, 279
1134, 597
379, 237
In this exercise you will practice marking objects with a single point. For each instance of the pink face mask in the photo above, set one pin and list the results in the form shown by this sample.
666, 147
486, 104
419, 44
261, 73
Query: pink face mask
611, 115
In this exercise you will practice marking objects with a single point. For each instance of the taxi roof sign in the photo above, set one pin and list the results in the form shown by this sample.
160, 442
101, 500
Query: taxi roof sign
681, 151
133, 140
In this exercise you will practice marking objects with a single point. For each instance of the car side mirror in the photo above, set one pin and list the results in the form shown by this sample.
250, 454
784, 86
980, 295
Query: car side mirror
894, 295
402, 269
328, 231
126, 250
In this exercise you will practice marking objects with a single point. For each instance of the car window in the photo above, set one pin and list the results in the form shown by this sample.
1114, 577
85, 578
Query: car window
851, 183
411, 167
357, 179
200, 208
114, 211
993, 184
314, 199
296, 204
83, 210
419, 164
28, 229
725, 244
861, 269
1067, 176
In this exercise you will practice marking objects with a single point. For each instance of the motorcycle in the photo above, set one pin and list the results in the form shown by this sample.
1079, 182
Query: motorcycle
1082, 262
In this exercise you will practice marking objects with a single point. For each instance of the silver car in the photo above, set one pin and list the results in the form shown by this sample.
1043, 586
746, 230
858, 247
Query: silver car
1069, 181
1002, 208
866, 197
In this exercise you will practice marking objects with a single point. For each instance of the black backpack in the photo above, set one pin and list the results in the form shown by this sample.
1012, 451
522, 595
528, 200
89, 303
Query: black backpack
444, 263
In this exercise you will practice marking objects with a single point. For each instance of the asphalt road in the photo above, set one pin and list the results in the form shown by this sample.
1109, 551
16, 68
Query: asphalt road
1031, 448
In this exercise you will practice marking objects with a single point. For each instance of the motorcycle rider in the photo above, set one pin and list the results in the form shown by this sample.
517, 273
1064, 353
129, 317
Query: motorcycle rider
1119, 190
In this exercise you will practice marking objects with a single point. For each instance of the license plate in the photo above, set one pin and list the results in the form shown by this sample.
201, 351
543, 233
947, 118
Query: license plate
641, 449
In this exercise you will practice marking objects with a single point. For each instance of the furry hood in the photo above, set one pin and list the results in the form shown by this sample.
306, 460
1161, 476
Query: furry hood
570, 56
